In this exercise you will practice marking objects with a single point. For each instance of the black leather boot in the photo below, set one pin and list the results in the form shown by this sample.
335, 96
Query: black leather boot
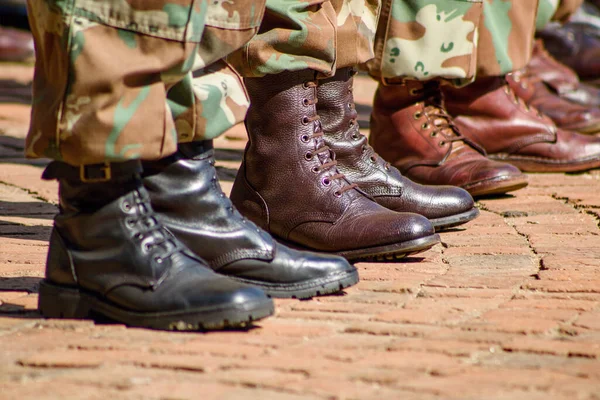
185, 192
110, 255
444, 206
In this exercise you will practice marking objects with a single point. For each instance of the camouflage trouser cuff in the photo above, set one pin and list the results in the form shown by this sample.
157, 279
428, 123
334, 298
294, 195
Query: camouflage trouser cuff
93, 172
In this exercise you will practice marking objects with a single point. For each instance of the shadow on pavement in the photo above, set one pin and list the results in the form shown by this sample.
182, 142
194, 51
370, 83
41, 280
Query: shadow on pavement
15, 92
27, 284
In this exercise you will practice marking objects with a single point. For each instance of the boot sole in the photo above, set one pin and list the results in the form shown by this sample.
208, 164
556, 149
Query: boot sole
57, 301
497, 185
533, 164
307, 289
454, 220
391, 252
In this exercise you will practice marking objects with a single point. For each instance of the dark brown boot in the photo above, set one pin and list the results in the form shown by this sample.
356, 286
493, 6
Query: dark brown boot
289, 185
411, 128
444, 206
490, 113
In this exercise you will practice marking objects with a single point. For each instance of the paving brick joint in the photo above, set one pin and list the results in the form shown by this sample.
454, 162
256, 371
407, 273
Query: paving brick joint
508, 307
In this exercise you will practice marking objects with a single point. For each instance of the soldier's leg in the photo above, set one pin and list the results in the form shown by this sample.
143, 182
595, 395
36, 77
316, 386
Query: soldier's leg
549, 85
288, 182
419, 46
184, 189
500, 117
102, 74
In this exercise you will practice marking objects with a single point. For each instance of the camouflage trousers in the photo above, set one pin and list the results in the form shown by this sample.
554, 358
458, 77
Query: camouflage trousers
555, 10
113, 78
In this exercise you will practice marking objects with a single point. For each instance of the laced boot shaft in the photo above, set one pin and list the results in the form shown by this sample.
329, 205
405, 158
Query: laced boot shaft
110, 254
185, 191
411, 128
289, 183
496, 117
443, 206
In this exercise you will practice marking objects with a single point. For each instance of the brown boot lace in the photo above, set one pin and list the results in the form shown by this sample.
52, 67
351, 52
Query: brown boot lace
323, 152
437, 116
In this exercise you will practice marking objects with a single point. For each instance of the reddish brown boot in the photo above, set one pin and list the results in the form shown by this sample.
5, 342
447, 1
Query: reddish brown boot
531, 86
411, 128
490, 113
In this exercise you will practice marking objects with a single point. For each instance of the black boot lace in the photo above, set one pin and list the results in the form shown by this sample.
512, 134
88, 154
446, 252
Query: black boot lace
149, 230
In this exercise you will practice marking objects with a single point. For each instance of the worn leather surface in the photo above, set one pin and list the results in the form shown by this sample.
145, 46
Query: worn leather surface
576, 45
560, 79
122, 253
495, 117
564, 113
363, 166
288, 183
186, 194
411, 129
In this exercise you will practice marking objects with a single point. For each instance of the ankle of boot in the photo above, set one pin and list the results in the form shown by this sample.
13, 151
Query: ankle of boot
88, 188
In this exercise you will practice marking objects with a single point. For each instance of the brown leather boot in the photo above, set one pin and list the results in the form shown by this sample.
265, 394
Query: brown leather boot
528, 84
411, 128
288, 183
490, 113
444, 206
560, 79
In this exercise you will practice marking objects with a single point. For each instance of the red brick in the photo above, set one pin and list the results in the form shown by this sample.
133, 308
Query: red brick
563, 348
590, 320
585, 286
505, 323
550, 304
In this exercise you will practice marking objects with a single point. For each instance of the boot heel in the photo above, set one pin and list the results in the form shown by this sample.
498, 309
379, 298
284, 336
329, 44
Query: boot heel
61, 302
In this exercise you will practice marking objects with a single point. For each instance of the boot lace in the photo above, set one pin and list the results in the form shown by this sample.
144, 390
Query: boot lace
523, 78
323, 152
436, 113
148, 226
366, 149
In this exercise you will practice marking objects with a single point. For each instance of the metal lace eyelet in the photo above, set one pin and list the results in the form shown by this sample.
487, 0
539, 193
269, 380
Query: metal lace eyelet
130, 222
373, 159
305, 120
138, 236
305, 85
308, 156
355, 136
326, 181
126, 206
425, 126
417, 115
433, 134
305, 102
304, 138
337, 194
147, 246
387, 167
363, 149
158, 260
350, 106
413, 92
442, 143
316, 170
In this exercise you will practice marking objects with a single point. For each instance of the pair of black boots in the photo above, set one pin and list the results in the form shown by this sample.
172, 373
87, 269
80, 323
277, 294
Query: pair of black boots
159, 245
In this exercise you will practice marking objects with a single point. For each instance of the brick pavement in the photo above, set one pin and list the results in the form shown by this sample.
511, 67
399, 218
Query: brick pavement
506, 308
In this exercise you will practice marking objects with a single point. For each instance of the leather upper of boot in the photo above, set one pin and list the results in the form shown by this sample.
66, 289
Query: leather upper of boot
289, 184
560, 79
568, 115
411, 128
359, 162
493, 115
576, 45
120, 251
186, 193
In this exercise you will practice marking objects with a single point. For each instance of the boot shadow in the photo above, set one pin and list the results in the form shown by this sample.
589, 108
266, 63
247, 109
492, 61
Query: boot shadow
28, 284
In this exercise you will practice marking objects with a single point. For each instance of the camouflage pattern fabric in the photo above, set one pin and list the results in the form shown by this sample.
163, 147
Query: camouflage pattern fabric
453, 40
320, 35
113, 78
555, 10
